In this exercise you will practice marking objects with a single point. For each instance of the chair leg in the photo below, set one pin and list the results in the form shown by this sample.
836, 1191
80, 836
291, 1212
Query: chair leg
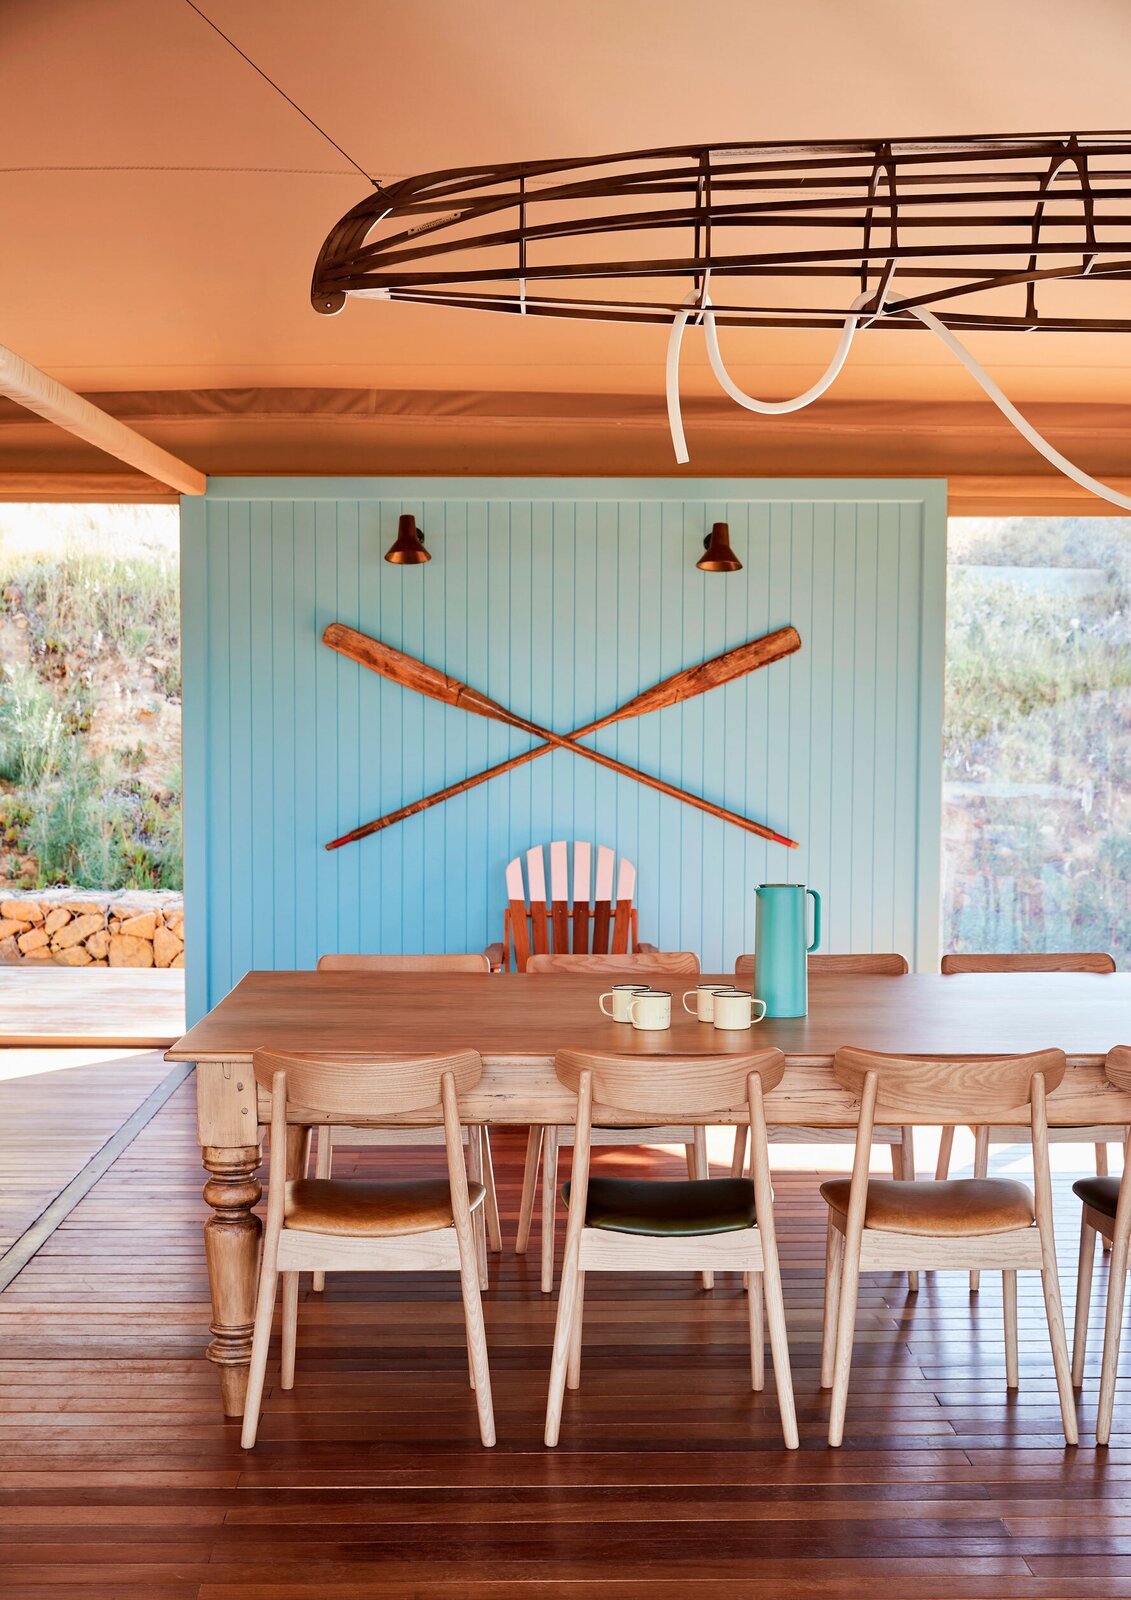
779, 1341
946, 1146
1009, 1311
845, 1330
563, 1338
834, 1261
478, 1221
738, 1159
907, 1164
260, 1344
1054, 1311
491, 1199
549, 1205
290, 1329
322, 1165
529, 1186
1102, 1172
476, 1332
1113, 1323
757, 1334
1083, 1299
699, 1167
981, 1170
573, 1371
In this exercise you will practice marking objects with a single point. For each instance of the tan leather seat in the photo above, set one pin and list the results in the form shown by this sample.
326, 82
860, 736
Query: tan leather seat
959, 1207
385, 1209
1102, 1194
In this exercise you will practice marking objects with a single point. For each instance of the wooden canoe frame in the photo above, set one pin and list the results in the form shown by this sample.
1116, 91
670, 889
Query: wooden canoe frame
812, 225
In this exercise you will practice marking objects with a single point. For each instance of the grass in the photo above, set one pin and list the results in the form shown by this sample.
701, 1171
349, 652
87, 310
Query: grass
1037, 819
89, 613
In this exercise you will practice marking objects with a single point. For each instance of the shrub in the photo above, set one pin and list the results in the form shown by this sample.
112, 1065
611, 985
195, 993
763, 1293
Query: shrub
32, 732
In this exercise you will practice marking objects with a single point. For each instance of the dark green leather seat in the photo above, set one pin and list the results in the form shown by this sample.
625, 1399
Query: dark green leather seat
681, 1209
1102, 1194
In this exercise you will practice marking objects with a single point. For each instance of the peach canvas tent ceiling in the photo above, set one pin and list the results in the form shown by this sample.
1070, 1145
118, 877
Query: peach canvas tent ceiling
162, 209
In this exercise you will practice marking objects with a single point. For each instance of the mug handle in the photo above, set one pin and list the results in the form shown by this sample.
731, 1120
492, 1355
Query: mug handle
761, 1013
816, 920
608, 995
632, 1005
692, 1011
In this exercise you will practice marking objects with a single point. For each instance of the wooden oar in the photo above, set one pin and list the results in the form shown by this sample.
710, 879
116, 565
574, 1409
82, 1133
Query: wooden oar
685, 685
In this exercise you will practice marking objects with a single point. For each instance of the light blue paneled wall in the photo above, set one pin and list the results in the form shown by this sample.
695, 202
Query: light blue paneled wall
560, 599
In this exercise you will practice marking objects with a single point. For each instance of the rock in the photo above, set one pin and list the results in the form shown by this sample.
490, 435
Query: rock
10, 926
29, 943
175, 922
126, 952
75, 932
83, 908
40, 953
76, 956
98, 944
178, 961
100, 963
166, 946
21, 910
56, 919
142, 927
9, 950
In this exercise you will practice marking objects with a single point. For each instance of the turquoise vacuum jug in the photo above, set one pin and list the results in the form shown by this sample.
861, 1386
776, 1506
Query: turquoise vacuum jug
781, 947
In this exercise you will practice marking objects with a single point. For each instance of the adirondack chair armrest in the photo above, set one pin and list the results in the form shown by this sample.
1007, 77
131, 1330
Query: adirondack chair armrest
647, 949
496, 955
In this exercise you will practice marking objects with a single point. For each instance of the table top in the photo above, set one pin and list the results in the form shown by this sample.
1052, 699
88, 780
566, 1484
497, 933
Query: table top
515, 1017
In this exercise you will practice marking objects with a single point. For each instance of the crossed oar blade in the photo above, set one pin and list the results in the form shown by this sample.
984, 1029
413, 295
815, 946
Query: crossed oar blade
692, 681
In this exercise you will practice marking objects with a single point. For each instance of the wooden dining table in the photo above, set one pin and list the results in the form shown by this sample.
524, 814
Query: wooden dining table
518, 1022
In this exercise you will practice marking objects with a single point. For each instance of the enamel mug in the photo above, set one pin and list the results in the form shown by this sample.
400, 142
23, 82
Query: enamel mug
737, 1008
704, 996
621, 994
651, 1010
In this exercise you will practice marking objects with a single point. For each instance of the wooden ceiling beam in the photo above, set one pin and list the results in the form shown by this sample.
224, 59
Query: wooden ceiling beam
33, 389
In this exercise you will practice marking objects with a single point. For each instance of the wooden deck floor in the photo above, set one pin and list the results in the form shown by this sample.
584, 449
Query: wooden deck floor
119, 1478
45, 1005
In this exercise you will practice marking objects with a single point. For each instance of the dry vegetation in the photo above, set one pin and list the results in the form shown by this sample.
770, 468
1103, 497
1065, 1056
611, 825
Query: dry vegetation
90, 785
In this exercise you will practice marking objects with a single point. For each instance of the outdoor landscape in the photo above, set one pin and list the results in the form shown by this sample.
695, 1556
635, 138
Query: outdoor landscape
1037, 798
90, 698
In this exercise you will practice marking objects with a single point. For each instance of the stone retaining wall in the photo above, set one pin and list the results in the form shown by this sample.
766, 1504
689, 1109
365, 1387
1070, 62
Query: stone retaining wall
93, 928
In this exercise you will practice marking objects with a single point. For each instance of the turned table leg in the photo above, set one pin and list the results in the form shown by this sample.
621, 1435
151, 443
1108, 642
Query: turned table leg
231, 1245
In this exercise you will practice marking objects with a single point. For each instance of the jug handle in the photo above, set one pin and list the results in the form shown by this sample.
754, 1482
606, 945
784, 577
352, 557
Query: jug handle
816, 920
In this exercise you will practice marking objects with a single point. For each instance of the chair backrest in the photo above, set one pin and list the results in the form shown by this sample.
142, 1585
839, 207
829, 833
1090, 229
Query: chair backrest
669, 1086
1042, 961
421, 963
591, 921
339, 1086
644, 962
884, 966
1118, 1067
979, 1090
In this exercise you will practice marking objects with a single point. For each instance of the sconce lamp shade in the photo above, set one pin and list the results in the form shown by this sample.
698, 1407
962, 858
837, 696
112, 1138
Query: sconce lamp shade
718, 556
407, 550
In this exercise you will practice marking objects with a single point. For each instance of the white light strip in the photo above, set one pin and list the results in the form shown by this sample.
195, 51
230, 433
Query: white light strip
779, 407
1008, 409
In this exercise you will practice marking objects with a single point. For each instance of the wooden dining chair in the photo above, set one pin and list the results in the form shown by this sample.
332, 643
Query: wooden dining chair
487, 1225
879, 1226
393, 1225
901, 1141
1041, 961
592, 923
648, 1225
1107, 1212
543, 1143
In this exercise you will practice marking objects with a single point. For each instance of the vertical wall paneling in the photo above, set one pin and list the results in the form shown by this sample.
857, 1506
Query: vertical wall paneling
559, 598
